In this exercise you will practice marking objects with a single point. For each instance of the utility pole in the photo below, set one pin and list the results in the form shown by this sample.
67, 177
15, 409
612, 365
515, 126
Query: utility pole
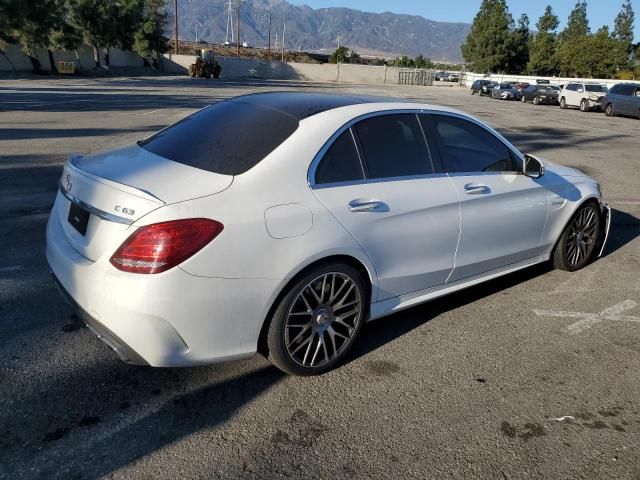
175, 24
269, 48
196, 33
238, 31
229, 24
284, 31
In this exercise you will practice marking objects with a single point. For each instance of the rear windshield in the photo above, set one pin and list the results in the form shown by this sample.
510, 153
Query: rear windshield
228, 137
595, 88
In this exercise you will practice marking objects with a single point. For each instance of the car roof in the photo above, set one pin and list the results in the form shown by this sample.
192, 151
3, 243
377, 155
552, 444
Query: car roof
302, 105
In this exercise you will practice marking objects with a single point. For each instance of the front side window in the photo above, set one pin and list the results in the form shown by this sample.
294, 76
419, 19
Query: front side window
341, 163
393, 146
467, 147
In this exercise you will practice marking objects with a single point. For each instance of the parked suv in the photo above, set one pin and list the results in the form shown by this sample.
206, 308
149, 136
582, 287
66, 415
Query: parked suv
586, 96
623, 99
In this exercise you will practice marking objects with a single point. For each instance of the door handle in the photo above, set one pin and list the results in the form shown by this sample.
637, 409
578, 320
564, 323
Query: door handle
476, 189
358, 206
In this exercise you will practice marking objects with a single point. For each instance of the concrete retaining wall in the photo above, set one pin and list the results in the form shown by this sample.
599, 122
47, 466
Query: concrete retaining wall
13, 58
239, 68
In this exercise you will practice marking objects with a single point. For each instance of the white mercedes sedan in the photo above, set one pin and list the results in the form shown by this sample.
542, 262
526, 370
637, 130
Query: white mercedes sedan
282, 222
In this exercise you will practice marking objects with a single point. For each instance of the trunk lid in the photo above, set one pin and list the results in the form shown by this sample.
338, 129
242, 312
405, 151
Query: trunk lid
119, 187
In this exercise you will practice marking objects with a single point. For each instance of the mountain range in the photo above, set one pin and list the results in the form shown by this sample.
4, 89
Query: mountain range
308, 29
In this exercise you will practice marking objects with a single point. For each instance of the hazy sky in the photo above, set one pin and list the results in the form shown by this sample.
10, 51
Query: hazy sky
601, 12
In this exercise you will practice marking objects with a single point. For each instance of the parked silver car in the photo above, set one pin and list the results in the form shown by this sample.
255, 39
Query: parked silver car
623, 99
505, 91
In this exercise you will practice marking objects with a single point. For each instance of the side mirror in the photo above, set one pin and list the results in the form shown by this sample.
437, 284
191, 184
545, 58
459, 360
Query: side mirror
580, 90
532, 167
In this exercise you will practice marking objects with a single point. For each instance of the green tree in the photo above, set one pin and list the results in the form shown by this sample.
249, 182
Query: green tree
422, 62
543, 58
578, 23
106, 23
340, 55
518, 53
150, 39
593, 56
10, 20
573, 38
39, 18
623, 35
487, 46
354, 57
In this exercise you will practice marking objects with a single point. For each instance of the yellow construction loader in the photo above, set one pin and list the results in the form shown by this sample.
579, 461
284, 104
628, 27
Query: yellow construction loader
205, 66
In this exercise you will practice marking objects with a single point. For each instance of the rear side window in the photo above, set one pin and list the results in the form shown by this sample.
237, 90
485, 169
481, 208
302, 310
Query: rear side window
228, 137
393, 146
341, 162
467, 147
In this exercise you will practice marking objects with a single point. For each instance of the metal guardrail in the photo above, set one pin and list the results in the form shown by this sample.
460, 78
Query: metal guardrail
416, 77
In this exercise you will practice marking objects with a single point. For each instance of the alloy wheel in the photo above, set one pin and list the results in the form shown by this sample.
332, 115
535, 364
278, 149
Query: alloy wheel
608, 111
323, 319
582, 236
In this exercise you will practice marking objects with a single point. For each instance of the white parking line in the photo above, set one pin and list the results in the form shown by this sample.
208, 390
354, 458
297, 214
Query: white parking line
13, 268
153, 111
623, 202
588, 320
591, 128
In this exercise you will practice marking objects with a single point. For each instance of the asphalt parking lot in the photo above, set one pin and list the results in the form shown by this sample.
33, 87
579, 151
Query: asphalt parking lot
534, 375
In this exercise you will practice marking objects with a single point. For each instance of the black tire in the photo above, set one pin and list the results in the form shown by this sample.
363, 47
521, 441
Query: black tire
571, 240
608, 110
584, 105
472, 92
563, 103
336, 334
536, 100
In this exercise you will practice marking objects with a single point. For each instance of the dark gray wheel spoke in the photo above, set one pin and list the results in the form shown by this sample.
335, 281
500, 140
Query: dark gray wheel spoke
320, 325
581, 238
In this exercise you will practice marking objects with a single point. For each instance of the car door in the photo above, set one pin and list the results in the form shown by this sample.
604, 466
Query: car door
634, 102
403, 212
626, 102
573, 94
503, 212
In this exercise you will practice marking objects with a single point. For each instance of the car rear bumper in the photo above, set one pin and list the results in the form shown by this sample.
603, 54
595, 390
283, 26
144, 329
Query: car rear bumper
124, 351
169, 319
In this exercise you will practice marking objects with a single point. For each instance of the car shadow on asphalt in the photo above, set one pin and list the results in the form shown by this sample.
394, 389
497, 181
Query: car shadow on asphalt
624, 229
90, 422
385, 330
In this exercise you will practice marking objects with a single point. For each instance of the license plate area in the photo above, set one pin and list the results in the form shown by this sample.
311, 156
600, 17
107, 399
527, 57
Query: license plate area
78, 218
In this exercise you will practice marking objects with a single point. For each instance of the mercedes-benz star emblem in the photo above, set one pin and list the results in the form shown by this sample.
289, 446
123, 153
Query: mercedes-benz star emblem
69, 184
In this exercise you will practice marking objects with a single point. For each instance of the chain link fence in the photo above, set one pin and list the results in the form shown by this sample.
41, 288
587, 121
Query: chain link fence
416, 77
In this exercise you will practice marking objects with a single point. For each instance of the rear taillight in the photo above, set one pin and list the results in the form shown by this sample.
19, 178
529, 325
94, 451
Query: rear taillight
161, 246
